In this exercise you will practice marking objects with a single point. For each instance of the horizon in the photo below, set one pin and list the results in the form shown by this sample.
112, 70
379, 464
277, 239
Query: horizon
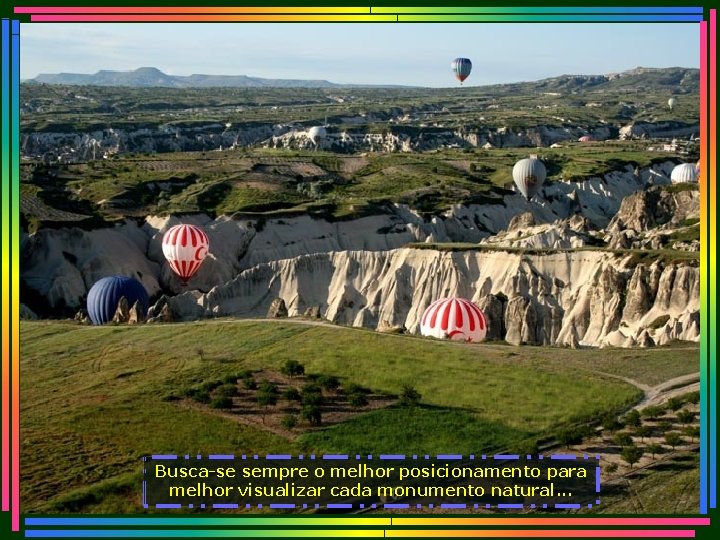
360, 53
133, 70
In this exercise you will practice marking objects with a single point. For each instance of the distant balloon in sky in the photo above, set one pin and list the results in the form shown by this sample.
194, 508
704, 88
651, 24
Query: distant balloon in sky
671, 102
461, 67
185, 247
455, 319
529, 175
104, 297
684, 173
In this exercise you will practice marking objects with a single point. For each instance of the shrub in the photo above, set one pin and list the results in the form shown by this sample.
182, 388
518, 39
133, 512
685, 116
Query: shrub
201, 396
686, 417
352, 388
674, 403
226, 390
611, 468
632, 418
569, 436
311, 388
267, 387
357, 400
289, 421
292, 394
409, 397
692, 397
292, 368
653, 411
610, 423
623, 439
209, 386
249, 383
221, 402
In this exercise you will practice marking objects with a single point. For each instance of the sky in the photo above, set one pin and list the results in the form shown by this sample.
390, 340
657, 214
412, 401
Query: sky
357, 53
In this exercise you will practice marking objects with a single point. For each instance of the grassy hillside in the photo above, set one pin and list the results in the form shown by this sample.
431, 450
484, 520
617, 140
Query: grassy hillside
271, 181
93, 400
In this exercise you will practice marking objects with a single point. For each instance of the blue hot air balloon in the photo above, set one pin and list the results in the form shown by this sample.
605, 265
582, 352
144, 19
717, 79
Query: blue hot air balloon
105, 294
461, 67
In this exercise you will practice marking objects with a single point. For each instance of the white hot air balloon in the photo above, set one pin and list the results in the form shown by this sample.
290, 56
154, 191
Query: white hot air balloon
455, 319
529, 175
317, 134
671, 102
684, 173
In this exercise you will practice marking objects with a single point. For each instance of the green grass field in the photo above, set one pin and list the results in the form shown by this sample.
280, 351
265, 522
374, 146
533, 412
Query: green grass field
263, 181
94, 399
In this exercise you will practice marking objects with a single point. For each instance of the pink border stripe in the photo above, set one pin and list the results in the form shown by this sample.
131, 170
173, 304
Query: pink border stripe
217, 17
188, 9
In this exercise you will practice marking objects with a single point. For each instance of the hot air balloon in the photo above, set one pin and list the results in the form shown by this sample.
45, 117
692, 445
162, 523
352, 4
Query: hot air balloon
105, 294
461, 67
185, 247
529, 175
671, 102
317, 134
684, 173
455, 319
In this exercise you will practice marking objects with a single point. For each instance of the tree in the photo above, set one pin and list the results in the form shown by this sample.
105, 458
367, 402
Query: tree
292, 368
631, 454
266, 387
642, 432
691, 431
674, 403
673, 439
292, 394
686, 417
329, 382
610, 423
632, 418
311, 414
654, 449
265, 400
652, 412
623, 439
409, 396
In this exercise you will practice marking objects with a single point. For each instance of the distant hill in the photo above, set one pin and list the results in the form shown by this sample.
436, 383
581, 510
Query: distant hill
674, 79
153, 77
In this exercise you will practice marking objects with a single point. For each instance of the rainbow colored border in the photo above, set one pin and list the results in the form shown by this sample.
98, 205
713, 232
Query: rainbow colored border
349, 526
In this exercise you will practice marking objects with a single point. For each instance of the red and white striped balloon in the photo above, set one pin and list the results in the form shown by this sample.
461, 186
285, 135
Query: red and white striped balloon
185, 247
454, 318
